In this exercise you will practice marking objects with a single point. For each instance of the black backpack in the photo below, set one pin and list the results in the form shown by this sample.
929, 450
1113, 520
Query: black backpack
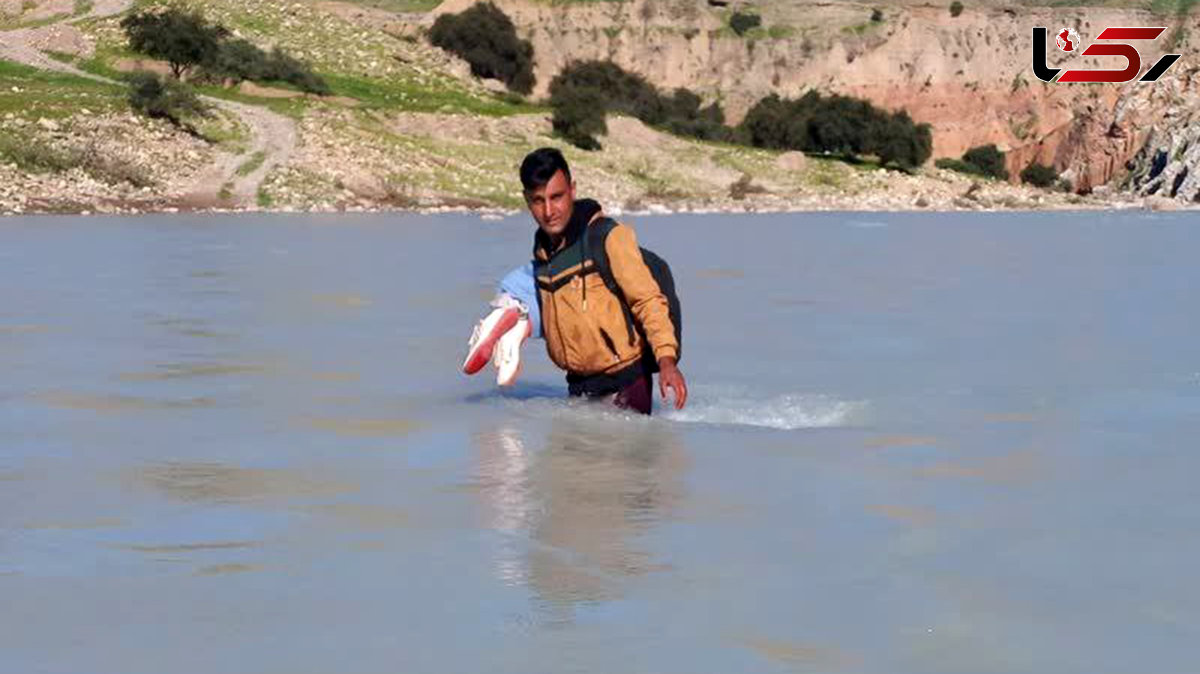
597, 234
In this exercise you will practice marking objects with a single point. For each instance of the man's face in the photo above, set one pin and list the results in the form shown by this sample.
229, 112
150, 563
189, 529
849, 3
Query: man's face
552, 204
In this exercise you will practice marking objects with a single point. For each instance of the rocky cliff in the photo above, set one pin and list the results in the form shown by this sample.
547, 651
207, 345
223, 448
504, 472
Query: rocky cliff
969, 76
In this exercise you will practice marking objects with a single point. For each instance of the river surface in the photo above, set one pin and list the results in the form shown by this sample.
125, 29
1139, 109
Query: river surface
916, 443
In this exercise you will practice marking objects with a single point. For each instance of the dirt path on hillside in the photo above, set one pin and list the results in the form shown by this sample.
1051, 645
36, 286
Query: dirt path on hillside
219, 185
216, 186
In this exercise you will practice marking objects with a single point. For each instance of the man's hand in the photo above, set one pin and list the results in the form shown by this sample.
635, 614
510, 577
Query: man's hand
670, 377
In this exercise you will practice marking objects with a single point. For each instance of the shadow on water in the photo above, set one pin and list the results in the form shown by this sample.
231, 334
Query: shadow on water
572, 506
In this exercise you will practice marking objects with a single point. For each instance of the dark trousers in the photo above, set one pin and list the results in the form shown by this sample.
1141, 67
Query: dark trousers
631, 389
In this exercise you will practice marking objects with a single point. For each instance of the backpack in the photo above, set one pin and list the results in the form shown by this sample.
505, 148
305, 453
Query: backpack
597, 234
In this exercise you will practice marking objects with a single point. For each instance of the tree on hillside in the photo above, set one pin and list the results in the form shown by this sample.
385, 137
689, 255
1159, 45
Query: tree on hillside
486, 38
989, 159
896, 140
585, 92
840, 125
184, 39
1040, 175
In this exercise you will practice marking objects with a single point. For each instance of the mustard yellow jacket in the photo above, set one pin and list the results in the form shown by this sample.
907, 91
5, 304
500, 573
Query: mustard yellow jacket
582, 321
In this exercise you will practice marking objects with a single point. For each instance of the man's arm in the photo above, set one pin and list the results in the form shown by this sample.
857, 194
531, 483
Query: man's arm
645, 298
519, 284
649, 307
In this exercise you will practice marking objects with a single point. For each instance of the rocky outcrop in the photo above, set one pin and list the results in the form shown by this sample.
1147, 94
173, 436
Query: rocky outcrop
1168, 164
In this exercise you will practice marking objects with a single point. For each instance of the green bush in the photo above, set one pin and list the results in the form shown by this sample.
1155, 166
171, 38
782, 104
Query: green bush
988, 159
240, 60
959, 165
899, 141
35, 156
839, 125
486, 38
282, 67
1039, 175
579, 116
237, 60
184, 39
161, 98
585, 92
742, 22
876, 15
956, 8
982, 160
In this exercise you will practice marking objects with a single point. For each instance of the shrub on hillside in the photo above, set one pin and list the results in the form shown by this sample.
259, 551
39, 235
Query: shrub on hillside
989, 159
579, 117
585, 92
486, 38
161, 98
182, 38
742, 22
186, 40
237, 60
1039, 175
839, 125
898, 141
282, 67
956, 8
686, 116
981, 160
951, 164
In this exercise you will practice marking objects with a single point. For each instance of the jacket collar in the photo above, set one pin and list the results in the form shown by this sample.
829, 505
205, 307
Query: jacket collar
583, 214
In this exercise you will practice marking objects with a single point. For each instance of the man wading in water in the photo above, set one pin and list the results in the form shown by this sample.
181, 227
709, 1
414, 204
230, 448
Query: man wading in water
610, 335
606, 308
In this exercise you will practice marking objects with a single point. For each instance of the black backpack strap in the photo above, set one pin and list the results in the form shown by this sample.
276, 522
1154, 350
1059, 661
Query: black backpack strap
597, 235
537, 289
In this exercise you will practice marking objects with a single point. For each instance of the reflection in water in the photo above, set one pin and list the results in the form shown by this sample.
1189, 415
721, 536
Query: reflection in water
1015, 467
21, 329
365, 427
110, 403
887, 441
912, 515
169, 371
99, 523
574, 509
360, 516
219, 483
808, 656
193, 547
190, 327
223, 569
350, 301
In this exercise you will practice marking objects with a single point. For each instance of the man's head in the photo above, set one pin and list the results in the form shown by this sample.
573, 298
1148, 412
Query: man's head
549, 189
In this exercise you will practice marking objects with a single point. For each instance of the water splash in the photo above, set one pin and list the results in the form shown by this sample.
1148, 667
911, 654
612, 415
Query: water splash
789, 411
724, 405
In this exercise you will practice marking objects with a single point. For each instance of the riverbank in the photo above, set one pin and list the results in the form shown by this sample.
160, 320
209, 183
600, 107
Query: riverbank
364, 161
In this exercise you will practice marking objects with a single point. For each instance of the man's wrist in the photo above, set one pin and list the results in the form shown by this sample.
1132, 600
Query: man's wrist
666, 362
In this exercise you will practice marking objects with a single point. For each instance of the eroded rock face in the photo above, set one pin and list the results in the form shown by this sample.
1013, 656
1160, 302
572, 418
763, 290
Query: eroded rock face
969, 76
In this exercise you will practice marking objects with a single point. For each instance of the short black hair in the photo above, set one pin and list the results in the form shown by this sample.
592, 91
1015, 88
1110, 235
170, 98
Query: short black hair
540, 166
